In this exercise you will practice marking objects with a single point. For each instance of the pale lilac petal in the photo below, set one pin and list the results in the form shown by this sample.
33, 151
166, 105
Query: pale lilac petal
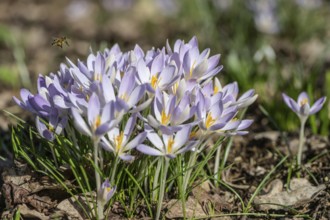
157, 64
104, 128
294, 106
108, 91
106, 145
130, 124
80, 123
186, 148
93, 108
43, 130
143, 72
155, 140
244, 124
136, 141
136, 95
317, 105
302, 97
181, 137
200, 69
126, 157
108, 112
149, 150
152, 121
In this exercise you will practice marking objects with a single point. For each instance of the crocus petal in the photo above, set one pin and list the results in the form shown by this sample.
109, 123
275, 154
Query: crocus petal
136, 141
126, 157
155, 139
188, 147
80, 123
136, 95
102, 129
317, 105
302, 97
43, 130
93, 108
181, 137
148, 150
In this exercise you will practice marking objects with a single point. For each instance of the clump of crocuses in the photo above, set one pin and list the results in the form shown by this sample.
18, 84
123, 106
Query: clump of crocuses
154, 102
303, 109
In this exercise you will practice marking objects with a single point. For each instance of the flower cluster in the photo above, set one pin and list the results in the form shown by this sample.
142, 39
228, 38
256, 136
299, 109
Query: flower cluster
172, 90
154, 101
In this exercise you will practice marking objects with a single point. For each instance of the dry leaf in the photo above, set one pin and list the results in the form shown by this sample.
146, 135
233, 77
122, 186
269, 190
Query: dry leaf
301, 192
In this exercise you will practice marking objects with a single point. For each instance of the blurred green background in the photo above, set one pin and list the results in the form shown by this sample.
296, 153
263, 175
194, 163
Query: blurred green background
273, 46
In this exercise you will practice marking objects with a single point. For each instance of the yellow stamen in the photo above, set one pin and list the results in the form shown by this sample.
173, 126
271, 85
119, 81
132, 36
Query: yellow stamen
119, 141
215, 90
209, 121
192, 68
97, 122
303, 102
165, 118
175, 87
108, 189
154, 80
124, 97
97, 77
170, 144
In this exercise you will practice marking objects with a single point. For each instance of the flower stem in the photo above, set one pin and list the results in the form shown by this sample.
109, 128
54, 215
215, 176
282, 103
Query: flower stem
301, 141
162, 187
155, 183
98, 179
216, 164
114, 170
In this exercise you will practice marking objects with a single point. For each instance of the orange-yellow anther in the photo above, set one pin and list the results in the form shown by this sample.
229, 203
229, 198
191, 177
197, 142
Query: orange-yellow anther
119, 141
97, 122
303, 102
175, 87
215, 90
98, 77
170, 144
154, 80
165, 119
191, 69
209, 121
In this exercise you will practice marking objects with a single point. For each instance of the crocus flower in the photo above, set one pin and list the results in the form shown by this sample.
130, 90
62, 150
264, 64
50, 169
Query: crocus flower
168, 145
100, 120
106, 192
302, 107
119, 143
169, 113
303, 110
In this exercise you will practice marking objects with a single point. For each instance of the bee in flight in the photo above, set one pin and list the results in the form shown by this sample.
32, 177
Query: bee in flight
60, 41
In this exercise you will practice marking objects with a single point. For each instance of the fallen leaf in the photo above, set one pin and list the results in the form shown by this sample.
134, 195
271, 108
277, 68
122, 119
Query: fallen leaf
193, 209
301, 192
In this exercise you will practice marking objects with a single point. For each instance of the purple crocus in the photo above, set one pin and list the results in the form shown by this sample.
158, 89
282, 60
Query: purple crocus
119, 143
303, 110
100, 119
106, 192
167, 145
302, 107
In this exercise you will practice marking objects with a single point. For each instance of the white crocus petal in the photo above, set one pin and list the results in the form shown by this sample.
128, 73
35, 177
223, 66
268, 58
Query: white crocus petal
80, 123
155, 140
181, 137
149, 150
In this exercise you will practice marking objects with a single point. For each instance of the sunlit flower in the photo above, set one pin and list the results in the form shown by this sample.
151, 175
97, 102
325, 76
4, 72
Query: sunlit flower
302, 107
106, 192
119, 142
167, 145
100, 119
